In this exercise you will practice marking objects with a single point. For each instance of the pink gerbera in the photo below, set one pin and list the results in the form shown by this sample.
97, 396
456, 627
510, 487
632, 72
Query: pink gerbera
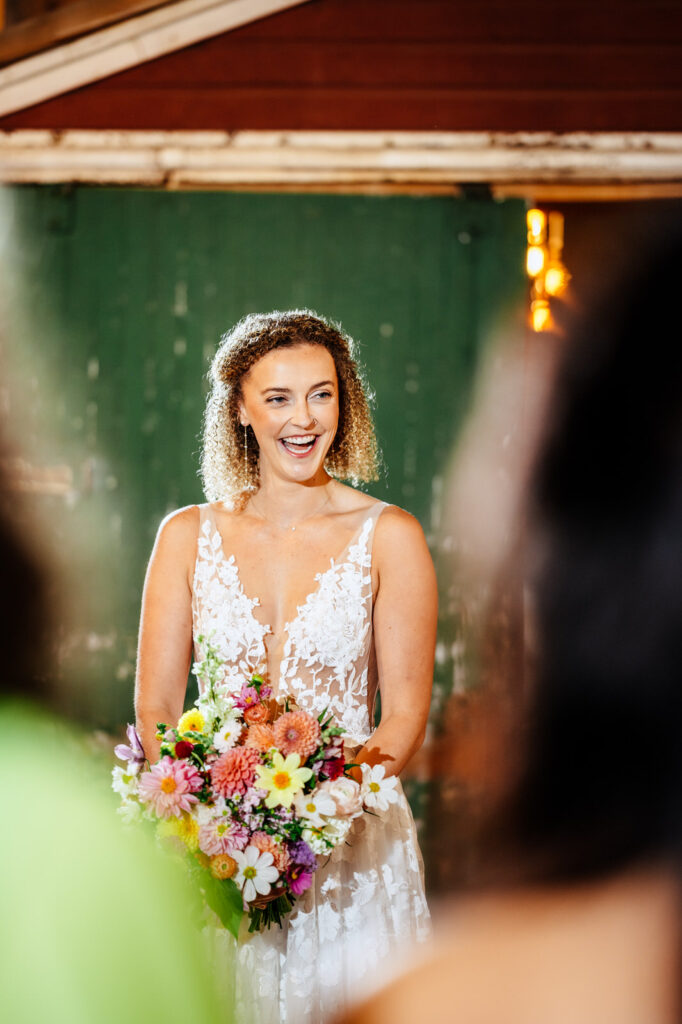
222, 835
170, 787
235, 771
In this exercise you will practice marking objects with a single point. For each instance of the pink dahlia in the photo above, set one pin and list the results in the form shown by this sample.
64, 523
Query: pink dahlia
266, 844
235, 771
297, 732
170, 787
222, 835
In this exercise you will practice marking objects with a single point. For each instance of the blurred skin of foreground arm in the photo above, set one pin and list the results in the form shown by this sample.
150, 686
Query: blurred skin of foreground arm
405, 613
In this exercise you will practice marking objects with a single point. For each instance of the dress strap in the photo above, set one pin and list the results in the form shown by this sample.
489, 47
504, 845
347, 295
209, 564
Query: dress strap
206, 515
376, 514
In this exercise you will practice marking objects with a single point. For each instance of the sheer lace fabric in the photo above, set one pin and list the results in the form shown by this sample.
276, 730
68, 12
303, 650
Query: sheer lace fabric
367, 900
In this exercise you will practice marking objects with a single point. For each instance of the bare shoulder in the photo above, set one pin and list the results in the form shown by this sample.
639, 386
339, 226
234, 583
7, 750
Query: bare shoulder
177, 533
395, 528
350, 499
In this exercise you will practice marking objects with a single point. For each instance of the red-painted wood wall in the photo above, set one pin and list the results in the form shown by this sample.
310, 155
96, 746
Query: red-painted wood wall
400, 64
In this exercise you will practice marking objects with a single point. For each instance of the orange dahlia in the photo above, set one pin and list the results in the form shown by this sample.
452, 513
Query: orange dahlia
235, 771
297, 732
223, 866
260, 737
266, 844
258, 714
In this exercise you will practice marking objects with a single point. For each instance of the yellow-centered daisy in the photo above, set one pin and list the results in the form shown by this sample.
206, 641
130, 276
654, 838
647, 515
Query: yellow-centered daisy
191, 721
283, 781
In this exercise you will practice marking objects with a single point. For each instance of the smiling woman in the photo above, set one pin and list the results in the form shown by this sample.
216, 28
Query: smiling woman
230, 462
330, 623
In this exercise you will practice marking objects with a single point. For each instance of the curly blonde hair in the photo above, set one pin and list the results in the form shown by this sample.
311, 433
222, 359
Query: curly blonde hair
353, 454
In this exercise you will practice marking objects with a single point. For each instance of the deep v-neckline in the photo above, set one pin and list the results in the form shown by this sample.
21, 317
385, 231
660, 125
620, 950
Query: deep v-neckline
253, 602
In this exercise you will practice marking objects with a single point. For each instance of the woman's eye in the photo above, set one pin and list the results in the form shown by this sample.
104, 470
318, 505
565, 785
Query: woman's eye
276, 399
323, 394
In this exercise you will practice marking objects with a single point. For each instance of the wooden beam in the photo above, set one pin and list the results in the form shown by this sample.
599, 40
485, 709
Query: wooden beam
535, 165
54, 27
118, 47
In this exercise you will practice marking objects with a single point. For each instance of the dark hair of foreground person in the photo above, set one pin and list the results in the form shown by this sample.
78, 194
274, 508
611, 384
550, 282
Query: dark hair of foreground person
601, 785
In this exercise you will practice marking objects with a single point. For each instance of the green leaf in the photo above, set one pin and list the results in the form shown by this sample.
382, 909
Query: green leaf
222, 896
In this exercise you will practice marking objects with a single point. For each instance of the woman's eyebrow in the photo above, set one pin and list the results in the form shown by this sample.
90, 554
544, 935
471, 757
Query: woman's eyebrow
322, 383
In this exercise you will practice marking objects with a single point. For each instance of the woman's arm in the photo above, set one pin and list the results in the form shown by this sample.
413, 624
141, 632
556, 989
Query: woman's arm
165, 643
405, 616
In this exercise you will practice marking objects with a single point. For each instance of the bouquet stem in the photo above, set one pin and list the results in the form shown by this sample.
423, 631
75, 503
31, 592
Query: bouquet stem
271, 913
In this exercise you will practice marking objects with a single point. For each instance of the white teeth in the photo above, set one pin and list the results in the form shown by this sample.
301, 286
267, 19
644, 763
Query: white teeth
302, 443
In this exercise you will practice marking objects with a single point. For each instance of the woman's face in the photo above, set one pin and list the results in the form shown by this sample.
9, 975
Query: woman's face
290, 397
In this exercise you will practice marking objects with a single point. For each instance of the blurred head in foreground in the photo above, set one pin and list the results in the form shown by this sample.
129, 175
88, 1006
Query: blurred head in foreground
24, 606
601, 783
582, 919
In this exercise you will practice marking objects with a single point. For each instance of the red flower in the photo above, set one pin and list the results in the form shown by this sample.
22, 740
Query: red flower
183, 748
333, 768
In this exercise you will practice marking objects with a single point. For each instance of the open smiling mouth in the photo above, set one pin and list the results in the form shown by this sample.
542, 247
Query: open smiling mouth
300, 445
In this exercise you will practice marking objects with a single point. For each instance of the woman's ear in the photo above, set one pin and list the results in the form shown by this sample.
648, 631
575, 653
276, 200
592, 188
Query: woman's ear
242, 415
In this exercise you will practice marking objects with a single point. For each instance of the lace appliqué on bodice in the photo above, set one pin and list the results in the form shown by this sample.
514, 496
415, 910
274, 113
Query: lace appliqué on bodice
326, 653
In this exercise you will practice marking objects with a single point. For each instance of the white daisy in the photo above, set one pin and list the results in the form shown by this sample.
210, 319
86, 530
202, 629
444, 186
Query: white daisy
377, 790
315, 806
227, 735
255, 872
124, 782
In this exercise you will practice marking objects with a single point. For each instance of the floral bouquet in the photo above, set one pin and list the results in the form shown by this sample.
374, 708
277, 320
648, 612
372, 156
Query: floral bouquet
254, 794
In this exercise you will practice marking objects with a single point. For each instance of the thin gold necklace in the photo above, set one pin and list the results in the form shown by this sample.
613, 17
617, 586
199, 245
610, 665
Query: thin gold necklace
298, 522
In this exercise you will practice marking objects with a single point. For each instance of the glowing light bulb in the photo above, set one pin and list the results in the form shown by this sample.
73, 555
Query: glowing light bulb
540, 316
535, 260
536, 222
556, 279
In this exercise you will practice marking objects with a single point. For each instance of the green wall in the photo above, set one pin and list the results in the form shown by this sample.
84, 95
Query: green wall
115, 301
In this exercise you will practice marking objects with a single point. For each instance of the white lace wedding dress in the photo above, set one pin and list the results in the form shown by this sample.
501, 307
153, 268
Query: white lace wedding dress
367, 901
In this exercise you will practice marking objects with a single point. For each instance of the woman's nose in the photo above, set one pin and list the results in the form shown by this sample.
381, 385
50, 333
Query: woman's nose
302, 416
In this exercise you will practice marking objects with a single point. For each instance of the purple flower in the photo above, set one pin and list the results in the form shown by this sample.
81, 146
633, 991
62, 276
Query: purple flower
247, 698
298, 879
302, 856
134, 754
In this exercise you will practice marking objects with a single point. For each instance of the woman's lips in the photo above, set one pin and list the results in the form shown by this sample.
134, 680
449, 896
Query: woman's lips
298, 451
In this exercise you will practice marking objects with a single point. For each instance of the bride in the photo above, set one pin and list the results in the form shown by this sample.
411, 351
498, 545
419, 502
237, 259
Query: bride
332, 594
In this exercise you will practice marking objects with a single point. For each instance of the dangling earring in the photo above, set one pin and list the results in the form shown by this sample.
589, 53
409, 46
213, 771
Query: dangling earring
246, 452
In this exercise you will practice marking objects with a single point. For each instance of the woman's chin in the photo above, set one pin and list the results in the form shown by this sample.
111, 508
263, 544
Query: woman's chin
302, 471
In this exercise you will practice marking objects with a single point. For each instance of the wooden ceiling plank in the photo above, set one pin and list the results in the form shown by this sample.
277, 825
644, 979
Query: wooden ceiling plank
54, 27
515, 161
125, 45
